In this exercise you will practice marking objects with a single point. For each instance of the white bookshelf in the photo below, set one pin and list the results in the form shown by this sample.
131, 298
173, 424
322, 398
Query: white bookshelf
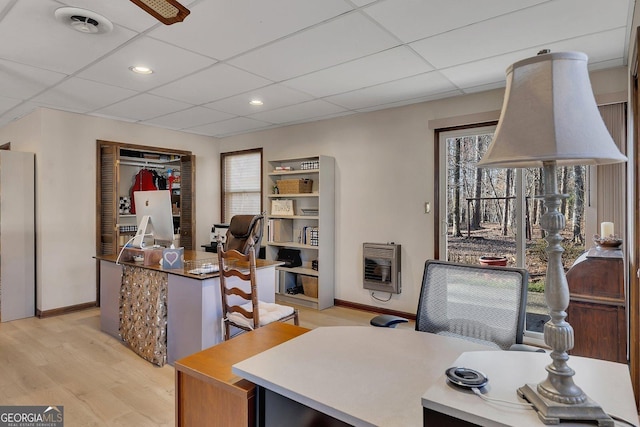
321, 198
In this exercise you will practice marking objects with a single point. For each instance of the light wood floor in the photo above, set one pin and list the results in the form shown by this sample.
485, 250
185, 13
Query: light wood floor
66, 360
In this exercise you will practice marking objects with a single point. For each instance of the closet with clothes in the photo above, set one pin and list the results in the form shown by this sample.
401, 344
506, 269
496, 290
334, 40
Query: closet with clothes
125, 168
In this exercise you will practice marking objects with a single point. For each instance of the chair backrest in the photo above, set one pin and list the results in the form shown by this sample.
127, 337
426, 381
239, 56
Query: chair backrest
243, 229
474, 302
235, 295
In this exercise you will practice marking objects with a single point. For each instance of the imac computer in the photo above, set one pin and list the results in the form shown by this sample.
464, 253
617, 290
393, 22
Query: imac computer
154, 217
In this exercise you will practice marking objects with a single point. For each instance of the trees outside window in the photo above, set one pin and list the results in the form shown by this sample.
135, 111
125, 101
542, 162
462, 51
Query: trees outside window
495, 212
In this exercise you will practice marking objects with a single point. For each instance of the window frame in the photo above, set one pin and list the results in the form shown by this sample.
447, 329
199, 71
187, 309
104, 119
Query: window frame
223, 192
440, 184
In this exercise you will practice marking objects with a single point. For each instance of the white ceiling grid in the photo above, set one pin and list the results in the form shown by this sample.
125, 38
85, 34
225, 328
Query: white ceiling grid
305, 59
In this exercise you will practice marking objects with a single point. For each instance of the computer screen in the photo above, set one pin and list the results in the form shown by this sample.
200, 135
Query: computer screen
154, 217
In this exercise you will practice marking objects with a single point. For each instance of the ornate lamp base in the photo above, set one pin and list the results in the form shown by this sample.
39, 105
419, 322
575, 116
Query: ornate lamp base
551, 412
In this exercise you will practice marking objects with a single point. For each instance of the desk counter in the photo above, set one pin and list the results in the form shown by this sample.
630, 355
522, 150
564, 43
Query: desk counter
185, 310
363, 376
607, 383
367, 376
188, 256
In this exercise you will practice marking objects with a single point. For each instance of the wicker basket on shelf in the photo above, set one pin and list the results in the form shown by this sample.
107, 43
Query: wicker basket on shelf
295, 186
310, 286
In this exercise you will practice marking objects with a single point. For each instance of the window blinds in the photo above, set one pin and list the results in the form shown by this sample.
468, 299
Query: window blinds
611, 179
241, 183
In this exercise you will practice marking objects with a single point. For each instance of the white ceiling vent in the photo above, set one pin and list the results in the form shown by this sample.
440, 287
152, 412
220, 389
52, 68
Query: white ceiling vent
83, 20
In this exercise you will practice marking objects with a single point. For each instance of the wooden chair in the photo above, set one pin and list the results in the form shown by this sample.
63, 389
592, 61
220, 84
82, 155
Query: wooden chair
238, 306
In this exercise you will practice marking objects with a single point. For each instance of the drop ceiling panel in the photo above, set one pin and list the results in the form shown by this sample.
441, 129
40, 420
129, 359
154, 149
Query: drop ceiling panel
489, 70
31, 27
273, 96
221, 29
229, 127
23, 81
544, 24
389, 65
82, 95
7, 103
412, 20
362, 2
211, 84
143, 107
295, 113
192, 117
167, 61
306, 59
430, 97
493, 69
408, 88
343, 39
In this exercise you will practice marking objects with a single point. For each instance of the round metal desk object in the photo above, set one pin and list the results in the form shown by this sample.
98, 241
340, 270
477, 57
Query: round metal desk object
465, 377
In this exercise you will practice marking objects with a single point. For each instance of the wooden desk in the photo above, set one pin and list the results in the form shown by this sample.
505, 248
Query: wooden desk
607, 383
208, 393
362, 375
597, 307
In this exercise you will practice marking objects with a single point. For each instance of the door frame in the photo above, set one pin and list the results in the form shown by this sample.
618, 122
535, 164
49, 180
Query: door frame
437, 186
633, 257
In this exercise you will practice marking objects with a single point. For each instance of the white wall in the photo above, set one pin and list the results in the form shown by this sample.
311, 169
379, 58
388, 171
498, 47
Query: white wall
384, 175
65, 147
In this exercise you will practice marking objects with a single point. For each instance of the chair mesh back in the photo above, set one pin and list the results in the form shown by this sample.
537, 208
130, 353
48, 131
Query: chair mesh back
481, 303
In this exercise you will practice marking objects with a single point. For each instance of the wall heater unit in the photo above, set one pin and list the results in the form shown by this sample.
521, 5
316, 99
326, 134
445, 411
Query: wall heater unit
381, 267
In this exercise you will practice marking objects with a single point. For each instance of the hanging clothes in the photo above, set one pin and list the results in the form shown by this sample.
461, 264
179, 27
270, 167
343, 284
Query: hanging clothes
142, 181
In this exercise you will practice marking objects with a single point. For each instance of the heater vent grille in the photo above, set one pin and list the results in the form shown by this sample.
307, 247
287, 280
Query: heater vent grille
381, 267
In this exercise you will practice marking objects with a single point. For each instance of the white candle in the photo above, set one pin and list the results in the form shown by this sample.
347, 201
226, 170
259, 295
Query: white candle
606, 229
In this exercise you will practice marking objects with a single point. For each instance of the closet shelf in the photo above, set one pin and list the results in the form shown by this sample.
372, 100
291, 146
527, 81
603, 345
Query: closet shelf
150, 163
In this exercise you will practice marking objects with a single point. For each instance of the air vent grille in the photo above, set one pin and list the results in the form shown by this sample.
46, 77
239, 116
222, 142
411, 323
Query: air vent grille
381, 267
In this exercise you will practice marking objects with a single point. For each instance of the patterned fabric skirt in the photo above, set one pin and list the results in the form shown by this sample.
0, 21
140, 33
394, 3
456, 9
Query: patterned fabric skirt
143, 312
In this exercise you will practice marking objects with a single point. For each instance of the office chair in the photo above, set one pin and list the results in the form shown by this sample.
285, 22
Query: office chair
242, 229
238, 304
477, 303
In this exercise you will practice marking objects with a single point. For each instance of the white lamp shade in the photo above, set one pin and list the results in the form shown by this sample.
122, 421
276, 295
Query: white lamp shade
550, 113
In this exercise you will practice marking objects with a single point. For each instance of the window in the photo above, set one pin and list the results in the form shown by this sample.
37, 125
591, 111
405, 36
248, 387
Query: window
494, 213
241, 183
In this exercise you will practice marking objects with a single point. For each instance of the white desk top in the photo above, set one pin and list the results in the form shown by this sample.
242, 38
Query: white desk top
362, 375
608, 383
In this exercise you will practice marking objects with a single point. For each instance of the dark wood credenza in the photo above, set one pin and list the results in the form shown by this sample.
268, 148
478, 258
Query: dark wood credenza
597, 308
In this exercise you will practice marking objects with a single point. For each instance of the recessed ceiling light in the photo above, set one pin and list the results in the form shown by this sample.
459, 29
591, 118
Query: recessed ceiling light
141, 69
255, 102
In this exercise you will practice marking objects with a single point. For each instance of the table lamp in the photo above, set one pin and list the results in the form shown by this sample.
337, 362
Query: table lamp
550, 118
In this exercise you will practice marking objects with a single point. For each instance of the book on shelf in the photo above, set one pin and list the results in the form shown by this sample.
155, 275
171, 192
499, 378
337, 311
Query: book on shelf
280, 230
283, 168
312, 164
309, 236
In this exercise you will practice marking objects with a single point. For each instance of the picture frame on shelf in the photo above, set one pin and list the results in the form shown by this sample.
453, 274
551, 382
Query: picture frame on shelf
282, 207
